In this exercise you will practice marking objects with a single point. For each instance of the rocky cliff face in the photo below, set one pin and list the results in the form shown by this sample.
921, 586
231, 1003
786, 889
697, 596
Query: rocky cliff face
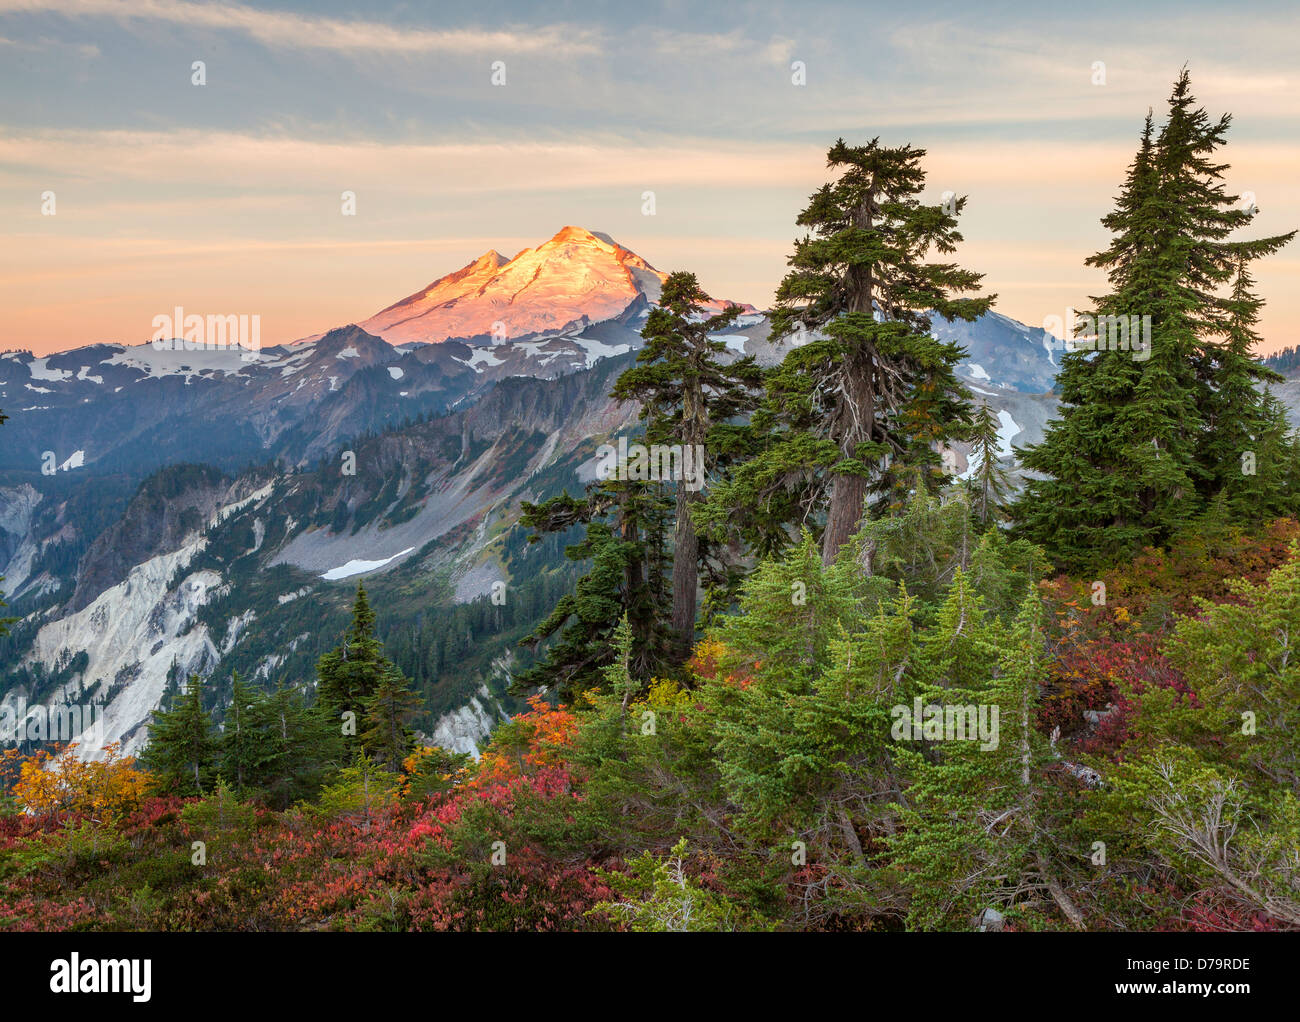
18, 547
168, 509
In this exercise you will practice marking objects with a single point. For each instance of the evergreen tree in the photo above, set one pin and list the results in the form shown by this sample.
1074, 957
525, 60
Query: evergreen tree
182, 750
388, 739
300, 747
618, 678
970, 829
689, 393
240, 742
625, 541
1248, 456
273, 743
1239, 658
987, 482
1284, 361
1127, 463
859, 407
348, 675
363, 794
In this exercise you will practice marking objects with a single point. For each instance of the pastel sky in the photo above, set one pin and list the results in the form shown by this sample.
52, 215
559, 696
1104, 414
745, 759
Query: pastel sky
227, 197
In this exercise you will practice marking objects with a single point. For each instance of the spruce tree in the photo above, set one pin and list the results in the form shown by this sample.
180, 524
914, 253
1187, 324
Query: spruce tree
625, 542
1129, 460
182, 750
987, 481
348, 675
689, 393
859, 408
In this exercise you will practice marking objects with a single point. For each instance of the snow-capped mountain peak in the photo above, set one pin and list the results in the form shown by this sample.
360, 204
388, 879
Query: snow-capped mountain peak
577, 278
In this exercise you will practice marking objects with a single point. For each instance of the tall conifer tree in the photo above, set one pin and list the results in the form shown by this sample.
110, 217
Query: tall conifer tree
1248, 456
625, 524
351, 673
988, 480
858, 408
388, 738
689, 391
1126, 464
182, 750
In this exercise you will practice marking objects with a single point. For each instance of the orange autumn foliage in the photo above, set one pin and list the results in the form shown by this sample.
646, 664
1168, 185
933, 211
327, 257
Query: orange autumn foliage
531, 742
713, 660
102, 790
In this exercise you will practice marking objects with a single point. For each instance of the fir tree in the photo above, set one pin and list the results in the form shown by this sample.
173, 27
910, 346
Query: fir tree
689, 393
859, 409
987, 481
1126, 463
388, 739
625, 523
1285, 361
300, 748
182, 750
970, 826
240, 743
349, 674
1248, 456
618, 678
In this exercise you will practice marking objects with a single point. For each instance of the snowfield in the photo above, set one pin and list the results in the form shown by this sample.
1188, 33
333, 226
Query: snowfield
356, 567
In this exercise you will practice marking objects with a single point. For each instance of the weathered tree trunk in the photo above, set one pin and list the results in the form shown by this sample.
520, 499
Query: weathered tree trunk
686, 544
856, 415
857, 422
686, 554
848, 492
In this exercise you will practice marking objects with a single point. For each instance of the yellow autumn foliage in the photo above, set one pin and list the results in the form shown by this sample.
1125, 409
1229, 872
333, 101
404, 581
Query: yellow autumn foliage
664, 694
104, 790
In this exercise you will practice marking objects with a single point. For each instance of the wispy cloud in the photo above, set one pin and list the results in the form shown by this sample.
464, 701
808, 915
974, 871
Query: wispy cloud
205, 157
45, 43
274, 162
287, 30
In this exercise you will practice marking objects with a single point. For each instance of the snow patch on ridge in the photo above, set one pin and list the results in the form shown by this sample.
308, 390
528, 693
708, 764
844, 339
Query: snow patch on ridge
41, 371
356, 567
